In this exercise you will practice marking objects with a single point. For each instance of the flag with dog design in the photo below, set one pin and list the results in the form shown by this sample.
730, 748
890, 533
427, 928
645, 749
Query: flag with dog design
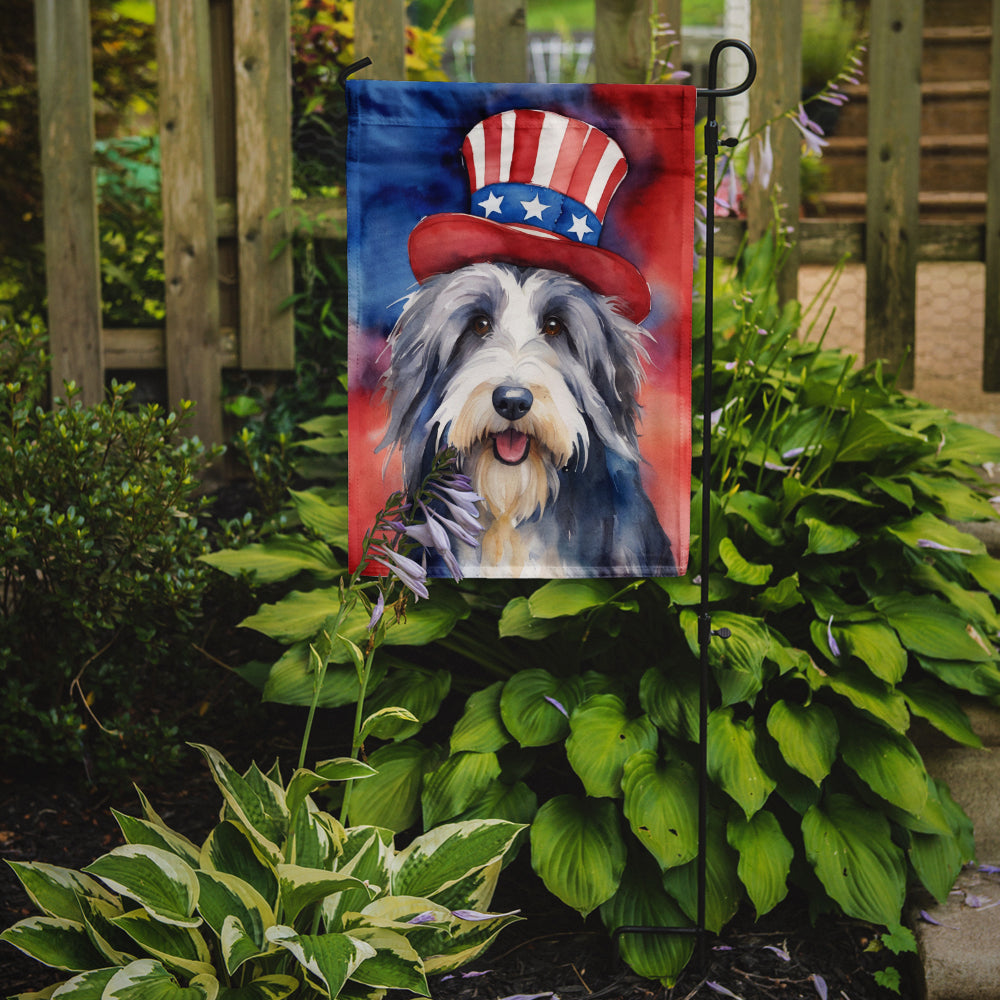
520, 272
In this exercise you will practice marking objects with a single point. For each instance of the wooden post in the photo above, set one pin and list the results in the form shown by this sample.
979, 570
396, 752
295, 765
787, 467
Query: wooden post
380, 34
262, 61
622, 40
991, 333
776, 35
893, 183
190, 254
501, 41
72, 255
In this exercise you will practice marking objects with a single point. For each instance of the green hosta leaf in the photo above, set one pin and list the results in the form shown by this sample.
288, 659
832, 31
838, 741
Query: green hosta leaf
56, 891
783, 595
535, 706
827, 539
941, 709
957, 501
870, 435
330, 959
417, 690
226, 898
928, 528
260, 806
807, 736
931, 628
438, 859
279, 558
684, 593
738, 569
758, 511
304, 782
888, 763
850, 848
975, 605
160, 882
661, 799
893, 488
327, 520
516, 803
180, 948
864, 691
601, 739
395, 964
517, 620
578, 851
876, 646
723, 889
732, 760
456, 784
976, 678
937, 859
738, 661
641, 901
142, 831
561, 598
301, 887
765, 858
391, 798
387, 723
274, 987
54, 941
230, 849
147, 979
965, 443
986, 572
291, 680
481, 728
671, 699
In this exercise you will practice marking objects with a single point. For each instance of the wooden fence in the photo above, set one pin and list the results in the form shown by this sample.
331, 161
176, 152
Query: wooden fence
226, 161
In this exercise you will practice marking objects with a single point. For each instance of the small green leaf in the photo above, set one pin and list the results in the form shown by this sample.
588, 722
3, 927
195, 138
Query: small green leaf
739, 569
456, 784
279, 558
391, 798
671, 699
765, 858
481, 727
562, 598
732, 760
827, 539
328, 521
807, 736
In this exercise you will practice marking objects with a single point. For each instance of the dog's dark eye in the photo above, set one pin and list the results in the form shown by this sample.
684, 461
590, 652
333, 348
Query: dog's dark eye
479, 325
552, 326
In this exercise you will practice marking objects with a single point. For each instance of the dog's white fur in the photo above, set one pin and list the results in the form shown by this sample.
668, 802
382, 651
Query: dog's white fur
555, 347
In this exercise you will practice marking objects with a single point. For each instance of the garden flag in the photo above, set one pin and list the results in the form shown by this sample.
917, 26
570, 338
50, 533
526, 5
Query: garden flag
520, 272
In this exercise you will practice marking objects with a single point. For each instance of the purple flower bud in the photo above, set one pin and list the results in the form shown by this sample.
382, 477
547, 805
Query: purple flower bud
834, 648
377, 612
558, 705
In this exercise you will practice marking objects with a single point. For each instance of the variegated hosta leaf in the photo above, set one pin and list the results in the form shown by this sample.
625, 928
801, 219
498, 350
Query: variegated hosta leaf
147, 979
304, 782
456, 784
54, 941
86, 986
158, 880
116, 947
441, 857
177, 947
256, 801
642, 902
661, 805
476, 890
367, 853
850, 847
328, 959
807, 736
391, 799
395, 964
225, 897
274, 987
141, 831
578, 851
300, 887
466, 941
230, 849
765, 858
56, 891
315, 838
888, 763
481, 727
723, 889
535, 706
732, 760
602, 737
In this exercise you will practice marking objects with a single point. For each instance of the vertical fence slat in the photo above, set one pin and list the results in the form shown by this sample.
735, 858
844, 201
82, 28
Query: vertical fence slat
501, 41
261, 58
621, 40
991, 332
72, 257
776, 35
190, 253
892, 215
380, 34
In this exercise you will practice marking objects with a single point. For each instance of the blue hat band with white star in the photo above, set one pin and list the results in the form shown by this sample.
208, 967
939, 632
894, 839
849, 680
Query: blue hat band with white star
544, 208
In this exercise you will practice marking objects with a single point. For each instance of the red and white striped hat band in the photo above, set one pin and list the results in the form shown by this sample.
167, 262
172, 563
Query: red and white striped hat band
541, 184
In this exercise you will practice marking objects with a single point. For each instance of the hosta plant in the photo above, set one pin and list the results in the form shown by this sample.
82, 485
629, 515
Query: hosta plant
279, 900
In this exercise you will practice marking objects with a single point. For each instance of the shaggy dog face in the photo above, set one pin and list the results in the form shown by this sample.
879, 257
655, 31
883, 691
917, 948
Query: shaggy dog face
533, 378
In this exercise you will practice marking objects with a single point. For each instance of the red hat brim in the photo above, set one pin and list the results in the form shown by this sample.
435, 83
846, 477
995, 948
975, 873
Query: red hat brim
442, 243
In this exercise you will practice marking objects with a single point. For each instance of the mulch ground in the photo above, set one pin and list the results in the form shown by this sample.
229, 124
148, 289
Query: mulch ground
551, 952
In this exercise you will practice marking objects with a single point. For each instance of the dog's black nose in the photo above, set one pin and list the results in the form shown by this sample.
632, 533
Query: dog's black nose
511, 401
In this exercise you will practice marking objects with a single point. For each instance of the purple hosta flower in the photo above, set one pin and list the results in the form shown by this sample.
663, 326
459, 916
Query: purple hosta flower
475, 915
719, 988
465, 975
834, 648
411, 574
820, 983
780, 952
727, 198
377, 612
989, 869
812, 134
558, 705
928, 543
760, 165
427, 917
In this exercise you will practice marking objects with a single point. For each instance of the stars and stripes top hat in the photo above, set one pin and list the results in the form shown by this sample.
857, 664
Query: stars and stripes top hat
541, 184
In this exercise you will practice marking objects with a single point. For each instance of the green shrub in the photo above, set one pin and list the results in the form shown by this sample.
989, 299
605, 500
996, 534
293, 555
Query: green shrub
99, 542
854, 602
279, 900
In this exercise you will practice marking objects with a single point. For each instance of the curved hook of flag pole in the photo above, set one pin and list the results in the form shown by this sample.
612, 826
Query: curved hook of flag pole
352, 68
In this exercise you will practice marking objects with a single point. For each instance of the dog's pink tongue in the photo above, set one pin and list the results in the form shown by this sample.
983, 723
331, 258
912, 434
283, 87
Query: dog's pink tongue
512, 446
